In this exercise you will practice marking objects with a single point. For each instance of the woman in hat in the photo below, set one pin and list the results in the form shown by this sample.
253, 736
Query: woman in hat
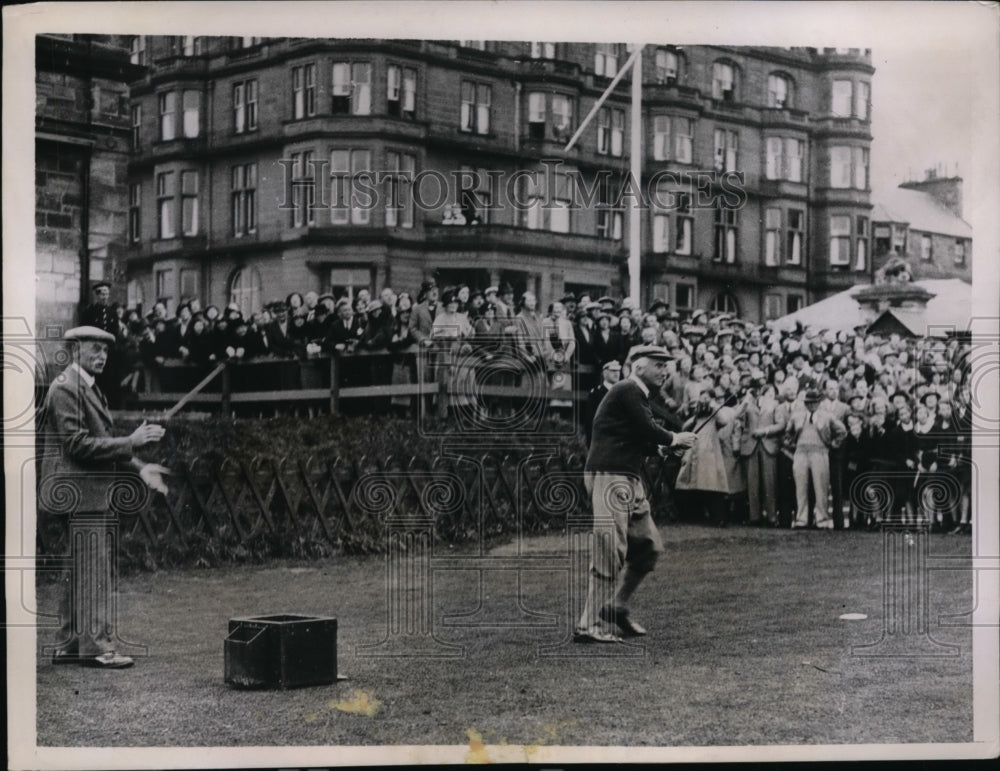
403, 363
703, 476
450, 332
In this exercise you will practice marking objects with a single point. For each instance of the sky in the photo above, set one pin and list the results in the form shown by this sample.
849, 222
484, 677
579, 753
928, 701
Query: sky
922, 99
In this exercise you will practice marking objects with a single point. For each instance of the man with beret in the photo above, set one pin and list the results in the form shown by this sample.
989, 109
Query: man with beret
624, 434
82, 456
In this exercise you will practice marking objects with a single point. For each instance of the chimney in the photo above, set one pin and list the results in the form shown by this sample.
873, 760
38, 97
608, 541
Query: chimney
946, 190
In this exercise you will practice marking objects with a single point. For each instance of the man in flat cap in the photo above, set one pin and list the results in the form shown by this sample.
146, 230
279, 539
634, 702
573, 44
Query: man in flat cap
624, 433
84, 469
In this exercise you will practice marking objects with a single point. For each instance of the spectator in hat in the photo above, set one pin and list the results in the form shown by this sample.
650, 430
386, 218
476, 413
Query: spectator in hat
529, 335
83, 454
813, 433
762, 421
451, 332
605, 343
625, 336
424, 312
245, 343
703, 474
476, 302
583, 332
611, 373
569, 303
403, 364
505, 305
833, 406
279, 331
901, 450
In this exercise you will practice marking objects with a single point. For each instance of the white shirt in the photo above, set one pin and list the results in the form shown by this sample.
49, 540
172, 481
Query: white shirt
86, 376
638, 381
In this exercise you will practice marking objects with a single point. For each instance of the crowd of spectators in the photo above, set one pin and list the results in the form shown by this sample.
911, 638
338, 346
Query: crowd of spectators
788, 419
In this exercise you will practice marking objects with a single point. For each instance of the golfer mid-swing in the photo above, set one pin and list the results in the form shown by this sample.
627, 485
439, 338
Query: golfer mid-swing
625, 535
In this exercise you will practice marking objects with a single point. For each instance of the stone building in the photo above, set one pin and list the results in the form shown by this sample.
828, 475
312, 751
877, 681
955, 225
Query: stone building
81, 171
247, 179
921, 221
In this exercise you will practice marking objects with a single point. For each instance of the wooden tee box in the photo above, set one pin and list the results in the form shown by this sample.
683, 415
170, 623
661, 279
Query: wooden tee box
281, 651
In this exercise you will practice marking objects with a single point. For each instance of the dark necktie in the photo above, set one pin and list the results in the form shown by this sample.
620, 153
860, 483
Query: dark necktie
100, 395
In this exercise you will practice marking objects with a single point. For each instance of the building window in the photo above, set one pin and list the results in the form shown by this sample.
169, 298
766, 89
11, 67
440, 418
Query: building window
165, 204
661, 137
661, 233
347, 282
350, 204
401, 88
543, 212
136, 126
478, 45
862, 97
303, 189
137, 50
163, 281
610, 131
606, 59
841, 98
726, 145
926, 248
352, 88
543, 50
861, 251
725, 303
684, 224
859, 156
134, 297
796, 236
303, 91
244, 179
840, 240
779, 91
784, 158
168, 108
245, 291
795, 302
772, 237
666, 67
399, 206
192, 111
474, 197
134, 213
247, 42
794, 153
724, 82
562, 116
189, 203
245, 106
725, 235
683, 139
959, 252
189, 284
772, 306
684, 297
609, 218
475, 111
849, 167
190, 45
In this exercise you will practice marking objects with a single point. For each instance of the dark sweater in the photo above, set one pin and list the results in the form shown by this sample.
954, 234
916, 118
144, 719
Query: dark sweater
624, 431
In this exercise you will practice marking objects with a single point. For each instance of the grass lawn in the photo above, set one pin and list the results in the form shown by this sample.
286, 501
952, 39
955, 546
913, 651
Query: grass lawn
745, 647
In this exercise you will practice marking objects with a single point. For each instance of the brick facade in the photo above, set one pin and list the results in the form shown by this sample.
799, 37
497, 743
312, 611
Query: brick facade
586, 248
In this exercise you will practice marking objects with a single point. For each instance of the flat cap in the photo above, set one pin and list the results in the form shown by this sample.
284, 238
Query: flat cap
492, 290
79, 334
649, 352
99, 285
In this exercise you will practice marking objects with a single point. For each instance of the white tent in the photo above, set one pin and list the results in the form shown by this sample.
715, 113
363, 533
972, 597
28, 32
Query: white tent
948, 309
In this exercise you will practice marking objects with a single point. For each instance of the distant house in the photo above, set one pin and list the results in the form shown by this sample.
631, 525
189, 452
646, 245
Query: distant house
922, 222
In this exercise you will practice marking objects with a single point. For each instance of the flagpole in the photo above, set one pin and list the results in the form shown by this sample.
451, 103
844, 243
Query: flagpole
635, 159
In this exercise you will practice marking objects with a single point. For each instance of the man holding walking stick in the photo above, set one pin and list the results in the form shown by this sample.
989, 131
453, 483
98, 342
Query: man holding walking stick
625, 535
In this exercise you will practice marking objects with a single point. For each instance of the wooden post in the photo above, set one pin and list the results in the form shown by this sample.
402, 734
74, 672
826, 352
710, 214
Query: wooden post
225, 404
334, 384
